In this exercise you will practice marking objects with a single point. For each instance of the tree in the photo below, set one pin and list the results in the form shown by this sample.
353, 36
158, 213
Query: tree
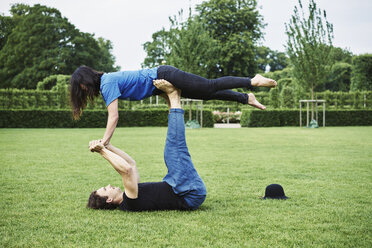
274, 59
232, 27
107, 58
192, 49
361, 74
236, 25
38, 42
338, 54
279, 60
187, 46
157, 50
6, 26
339, 77
339, 70
309, 45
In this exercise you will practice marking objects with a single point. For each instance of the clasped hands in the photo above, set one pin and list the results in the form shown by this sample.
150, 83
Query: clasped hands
96, 145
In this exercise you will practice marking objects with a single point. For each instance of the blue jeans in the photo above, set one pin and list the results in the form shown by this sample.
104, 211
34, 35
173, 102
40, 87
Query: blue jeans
181, 176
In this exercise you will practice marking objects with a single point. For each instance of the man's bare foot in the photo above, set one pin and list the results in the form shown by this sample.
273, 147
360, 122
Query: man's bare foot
260, 81
254, 103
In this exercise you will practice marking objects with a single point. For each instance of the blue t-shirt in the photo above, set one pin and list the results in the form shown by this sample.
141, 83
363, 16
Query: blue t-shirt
128, 85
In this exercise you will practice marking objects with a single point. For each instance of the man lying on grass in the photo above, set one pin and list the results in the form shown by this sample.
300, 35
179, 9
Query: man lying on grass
182, 188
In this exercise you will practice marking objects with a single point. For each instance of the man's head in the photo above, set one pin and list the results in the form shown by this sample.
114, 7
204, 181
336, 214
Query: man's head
105, 198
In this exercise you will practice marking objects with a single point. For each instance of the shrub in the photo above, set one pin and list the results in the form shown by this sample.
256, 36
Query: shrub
284, 82
245, 118
287, 97
272, 118
53, 82
58, 99
274, 98
221, 117
90, 118
277, 75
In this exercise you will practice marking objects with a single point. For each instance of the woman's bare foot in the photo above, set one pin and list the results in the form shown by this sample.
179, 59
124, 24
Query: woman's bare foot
164, 86
254, 103
173, 94
260, 81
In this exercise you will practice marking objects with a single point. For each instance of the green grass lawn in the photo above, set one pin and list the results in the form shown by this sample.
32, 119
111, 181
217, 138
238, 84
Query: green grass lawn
46, 176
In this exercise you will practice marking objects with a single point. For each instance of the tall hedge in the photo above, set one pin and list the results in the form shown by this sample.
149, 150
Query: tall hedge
51, 82
287, 97
361, 73
276, 118
90, 118
58, 99
339, 77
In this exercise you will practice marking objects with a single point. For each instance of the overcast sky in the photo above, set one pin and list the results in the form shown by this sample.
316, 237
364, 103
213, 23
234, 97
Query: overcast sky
130, 23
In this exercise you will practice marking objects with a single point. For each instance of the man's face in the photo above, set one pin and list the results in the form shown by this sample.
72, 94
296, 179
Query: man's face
113, 193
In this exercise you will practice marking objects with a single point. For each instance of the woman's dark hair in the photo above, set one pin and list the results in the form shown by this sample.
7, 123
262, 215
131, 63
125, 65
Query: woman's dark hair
99, 202
91, 80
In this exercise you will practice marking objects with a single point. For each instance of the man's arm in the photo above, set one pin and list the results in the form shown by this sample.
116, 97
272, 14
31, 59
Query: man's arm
126, 157
121, 153
112, 121
128, 172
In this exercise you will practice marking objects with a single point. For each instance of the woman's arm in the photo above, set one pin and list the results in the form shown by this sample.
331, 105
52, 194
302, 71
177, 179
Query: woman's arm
112, 121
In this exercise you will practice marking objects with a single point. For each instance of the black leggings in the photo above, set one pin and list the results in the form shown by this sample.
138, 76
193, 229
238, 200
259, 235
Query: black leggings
196, 87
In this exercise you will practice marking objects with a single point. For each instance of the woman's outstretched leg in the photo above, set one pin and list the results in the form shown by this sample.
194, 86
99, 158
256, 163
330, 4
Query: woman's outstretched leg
227, 95
190, 83
196, 87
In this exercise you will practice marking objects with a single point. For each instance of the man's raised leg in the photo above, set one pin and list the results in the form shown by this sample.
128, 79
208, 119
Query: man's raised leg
181, 176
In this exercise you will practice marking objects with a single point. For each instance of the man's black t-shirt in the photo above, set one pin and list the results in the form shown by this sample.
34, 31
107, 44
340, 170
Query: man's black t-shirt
154, 196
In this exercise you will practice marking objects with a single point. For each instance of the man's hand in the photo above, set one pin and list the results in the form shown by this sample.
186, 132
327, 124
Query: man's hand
96, 146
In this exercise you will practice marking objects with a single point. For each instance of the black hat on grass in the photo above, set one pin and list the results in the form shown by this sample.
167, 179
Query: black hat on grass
274, 191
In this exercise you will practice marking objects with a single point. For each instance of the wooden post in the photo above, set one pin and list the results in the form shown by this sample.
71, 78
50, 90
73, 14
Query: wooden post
201, 115
300, 114
323, 114
307, 114
190, 111
157, 100
228, 115
316, 110
197, 107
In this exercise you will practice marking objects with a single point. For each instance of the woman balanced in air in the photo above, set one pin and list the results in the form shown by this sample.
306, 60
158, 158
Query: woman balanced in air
87, 83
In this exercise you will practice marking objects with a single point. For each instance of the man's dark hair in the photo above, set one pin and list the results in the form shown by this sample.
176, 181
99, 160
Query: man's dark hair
91, 79
99, 202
